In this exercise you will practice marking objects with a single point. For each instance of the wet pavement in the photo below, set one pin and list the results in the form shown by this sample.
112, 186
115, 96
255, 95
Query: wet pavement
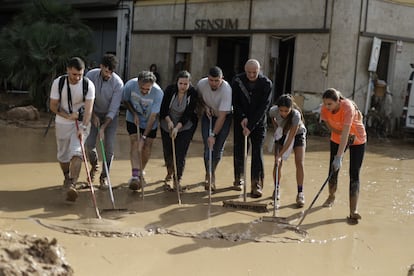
201, 233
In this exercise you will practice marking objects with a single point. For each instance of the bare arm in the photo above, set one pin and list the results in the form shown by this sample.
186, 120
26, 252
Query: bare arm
150, 123
344, 140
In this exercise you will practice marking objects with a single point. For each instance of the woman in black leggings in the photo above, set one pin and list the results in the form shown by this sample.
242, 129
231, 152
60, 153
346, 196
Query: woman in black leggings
344, 120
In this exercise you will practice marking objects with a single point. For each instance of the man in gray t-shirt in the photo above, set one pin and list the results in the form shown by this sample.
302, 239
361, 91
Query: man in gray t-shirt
216, 96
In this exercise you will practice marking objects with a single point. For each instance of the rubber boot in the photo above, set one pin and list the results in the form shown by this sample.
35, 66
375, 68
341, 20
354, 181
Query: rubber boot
353, 210
331, 198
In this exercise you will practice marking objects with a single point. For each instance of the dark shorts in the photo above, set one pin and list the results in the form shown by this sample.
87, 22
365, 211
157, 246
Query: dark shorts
300, 140
132, 129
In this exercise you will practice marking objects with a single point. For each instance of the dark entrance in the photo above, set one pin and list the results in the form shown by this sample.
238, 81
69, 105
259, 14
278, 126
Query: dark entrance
104, 35
232, 54
283, 67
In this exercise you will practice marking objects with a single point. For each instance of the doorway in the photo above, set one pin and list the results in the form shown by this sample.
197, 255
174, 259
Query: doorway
282, 64
232, 54
104, 35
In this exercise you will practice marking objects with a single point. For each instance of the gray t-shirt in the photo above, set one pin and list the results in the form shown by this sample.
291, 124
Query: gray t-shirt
177, 110
218, 100
296, 119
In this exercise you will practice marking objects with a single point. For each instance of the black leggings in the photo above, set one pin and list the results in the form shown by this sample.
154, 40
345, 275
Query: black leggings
356, 156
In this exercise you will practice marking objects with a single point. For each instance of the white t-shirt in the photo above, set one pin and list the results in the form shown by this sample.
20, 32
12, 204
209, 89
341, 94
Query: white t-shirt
77, 97
218, 100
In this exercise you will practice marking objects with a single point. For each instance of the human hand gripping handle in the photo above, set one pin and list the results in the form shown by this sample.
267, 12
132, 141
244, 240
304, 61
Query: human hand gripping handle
337, 163
174, 132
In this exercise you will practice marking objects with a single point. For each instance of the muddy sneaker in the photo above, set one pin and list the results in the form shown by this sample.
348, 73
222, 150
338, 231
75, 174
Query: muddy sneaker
93, 171
177, 184
300, 200
71, 194
238, 185
103, 183
168, 178
134, 183
329, 201
354, 218
70, 189
207, 183
256, 189
256, 192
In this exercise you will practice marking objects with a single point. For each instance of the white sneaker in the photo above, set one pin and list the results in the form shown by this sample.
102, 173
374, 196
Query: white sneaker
300, 200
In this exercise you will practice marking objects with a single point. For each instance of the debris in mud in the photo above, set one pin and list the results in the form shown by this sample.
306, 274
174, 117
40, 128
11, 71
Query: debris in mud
31, 255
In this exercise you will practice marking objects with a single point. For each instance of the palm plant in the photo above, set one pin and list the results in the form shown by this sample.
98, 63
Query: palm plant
36, 45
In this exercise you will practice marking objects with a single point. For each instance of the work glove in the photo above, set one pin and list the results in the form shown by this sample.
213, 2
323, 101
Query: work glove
174, 132
337, 163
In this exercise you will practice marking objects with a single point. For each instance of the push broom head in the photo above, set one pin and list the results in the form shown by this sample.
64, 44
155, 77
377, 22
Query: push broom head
248, 206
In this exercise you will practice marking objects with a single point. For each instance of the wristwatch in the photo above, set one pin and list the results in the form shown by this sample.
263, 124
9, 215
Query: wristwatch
144, 137
212, 134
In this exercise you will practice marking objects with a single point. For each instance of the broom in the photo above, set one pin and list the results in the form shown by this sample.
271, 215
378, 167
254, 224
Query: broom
111, 195
248, 206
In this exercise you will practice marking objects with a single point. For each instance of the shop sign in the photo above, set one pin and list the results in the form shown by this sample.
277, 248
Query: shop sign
216, 24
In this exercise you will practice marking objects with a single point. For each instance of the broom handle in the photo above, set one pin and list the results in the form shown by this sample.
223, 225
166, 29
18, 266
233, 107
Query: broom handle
141, 173
88, 173
245, 170
276, 182
210, 161
111, 195
175, 170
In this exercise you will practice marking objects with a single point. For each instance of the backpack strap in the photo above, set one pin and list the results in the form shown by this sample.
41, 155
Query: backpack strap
60, 87
85, 86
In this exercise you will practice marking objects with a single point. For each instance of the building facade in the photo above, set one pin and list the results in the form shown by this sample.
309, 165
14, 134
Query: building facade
304, 46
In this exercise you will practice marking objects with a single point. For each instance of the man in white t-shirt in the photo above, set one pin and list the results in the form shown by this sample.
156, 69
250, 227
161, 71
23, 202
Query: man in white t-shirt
216, 96
67, 105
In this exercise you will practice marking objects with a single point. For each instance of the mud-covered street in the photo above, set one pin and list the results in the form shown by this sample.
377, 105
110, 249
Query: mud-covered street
156, 236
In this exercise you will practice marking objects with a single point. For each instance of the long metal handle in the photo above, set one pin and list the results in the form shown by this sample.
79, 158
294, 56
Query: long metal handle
245, 170
88, 175
111, 194
175, 171
210, 161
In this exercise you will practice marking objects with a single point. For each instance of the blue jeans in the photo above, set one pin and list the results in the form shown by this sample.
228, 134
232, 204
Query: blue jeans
221, 137
109, 141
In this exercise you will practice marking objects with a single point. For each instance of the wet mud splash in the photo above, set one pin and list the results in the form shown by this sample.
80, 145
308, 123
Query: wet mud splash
254, 231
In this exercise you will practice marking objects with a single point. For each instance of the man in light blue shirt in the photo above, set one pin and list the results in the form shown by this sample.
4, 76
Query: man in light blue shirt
142, 98
108, 96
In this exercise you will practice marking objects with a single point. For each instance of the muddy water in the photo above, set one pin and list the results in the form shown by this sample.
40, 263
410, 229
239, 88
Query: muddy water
156, 236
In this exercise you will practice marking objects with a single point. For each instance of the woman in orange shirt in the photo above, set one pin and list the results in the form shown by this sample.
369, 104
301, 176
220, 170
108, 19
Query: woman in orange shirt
344, 120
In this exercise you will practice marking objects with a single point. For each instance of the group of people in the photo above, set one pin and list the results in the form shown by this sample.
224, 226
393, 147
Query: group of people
84, 115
